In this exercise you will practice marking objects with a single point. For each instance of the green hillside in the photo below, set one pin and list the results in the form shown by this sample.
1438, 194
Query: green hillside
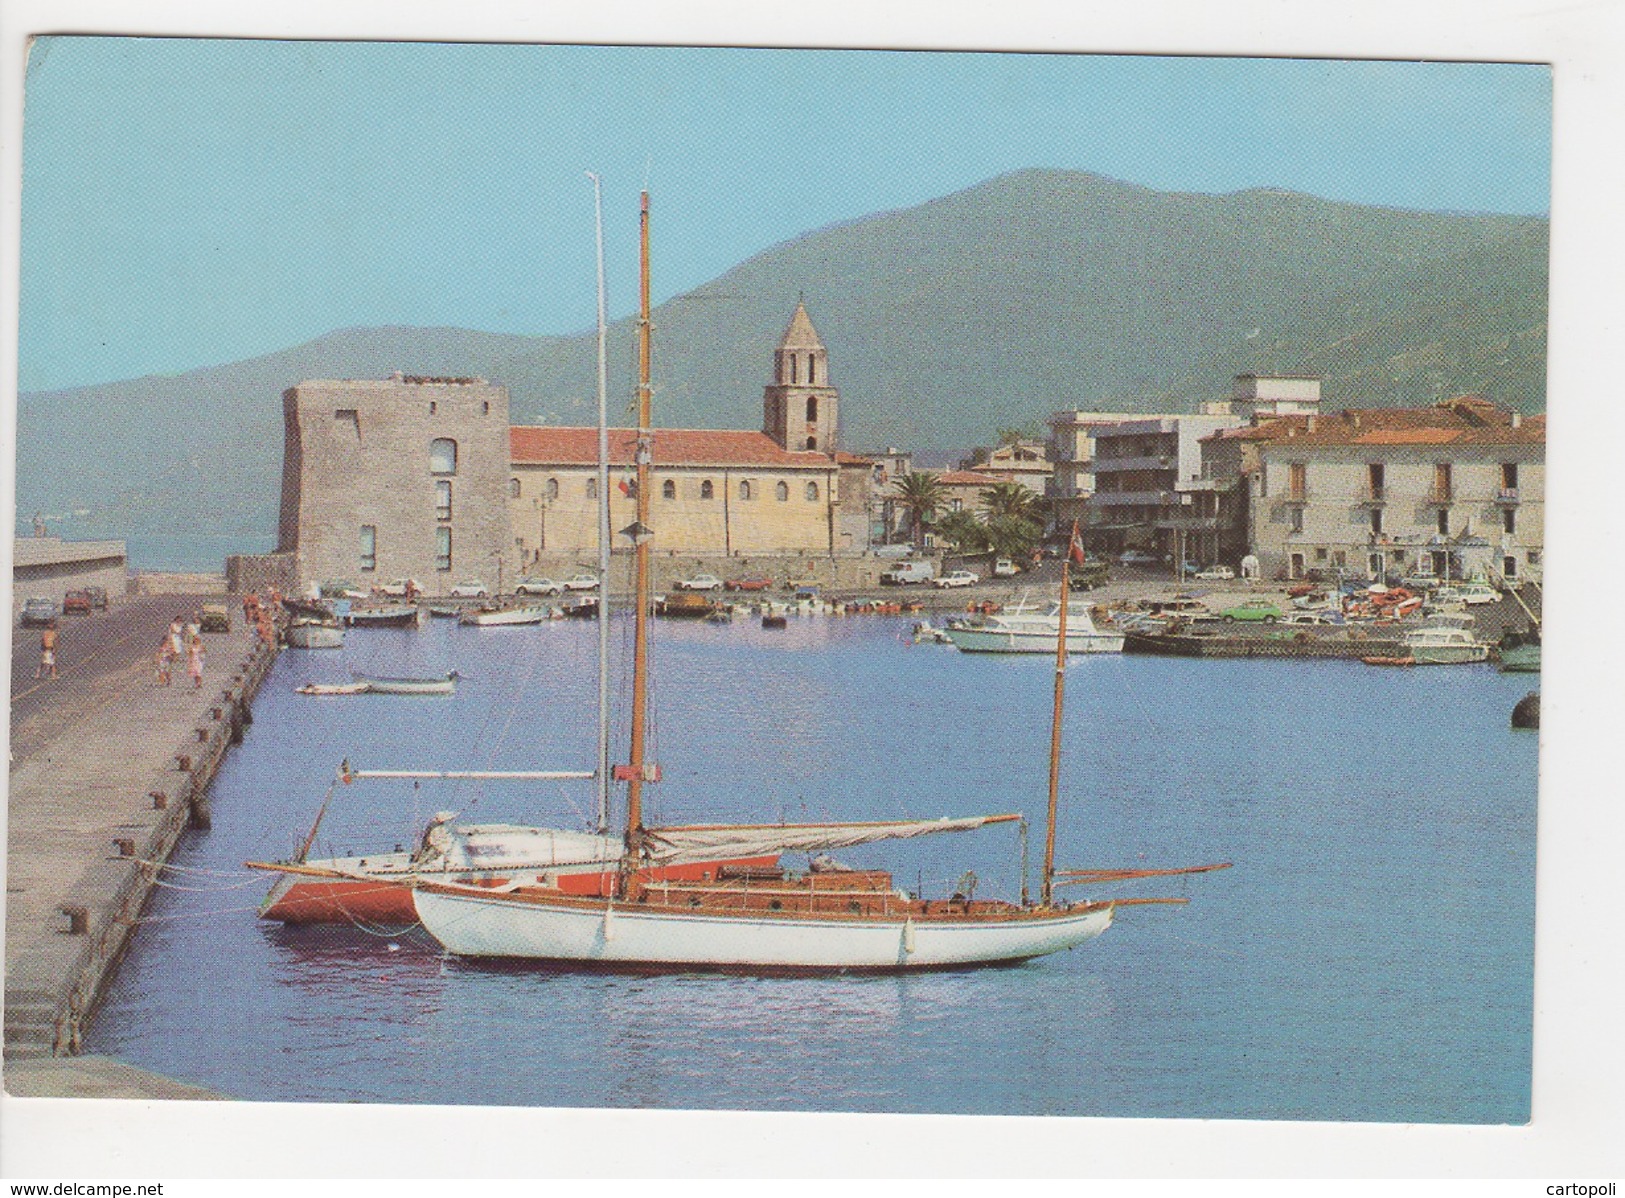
987, 308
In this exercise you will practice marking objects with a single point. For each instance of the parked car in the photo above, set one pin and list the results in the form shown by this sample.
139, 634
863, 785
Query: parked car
700, 582
957, 578
214, 617
471, 588
801, 584
1005, 568
1420, 582
1136, 557
748, 584
76, 603
1255, 610
1478, 592
37, 613
1088, 576
398, 589
582, 582
538, 586
904, 573
1312, 617
1215, 573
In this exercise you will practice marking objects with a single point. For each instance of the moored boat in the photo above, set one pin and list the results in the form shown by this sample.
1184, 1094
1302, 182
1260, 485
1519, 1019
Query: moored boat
1021, 630
501, 617
1436, 645
394, 615
315, 634
1519, 652
444, 684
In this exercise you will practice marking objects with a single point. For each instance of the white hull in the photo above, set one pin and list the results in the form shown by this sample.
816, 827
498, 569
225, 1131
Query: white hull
315, 636
992, 640
1449, 655
516, 615
475, 926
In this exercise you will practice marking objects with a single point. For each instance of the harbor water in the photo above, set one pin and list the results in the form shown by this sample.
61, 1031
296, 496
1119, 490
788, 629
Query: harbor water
1369, 956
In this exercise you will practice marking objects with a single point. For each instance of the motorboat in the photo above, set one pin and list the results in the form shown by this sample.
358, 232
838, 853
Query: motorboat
503, 617
315, 634
1023, 630
393, 615
444, 684
1441, 645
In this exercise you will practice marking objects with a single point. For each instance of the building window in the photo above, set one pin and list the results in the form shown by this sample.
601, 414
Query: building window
350, 418
812, 409
812, 371
485, 408
1443, 524
1375, 478
707, 491
812, 492
792, 368
1297, 519
1509, 566
783, 491
369, 546
668, 489
1442, 482
744, 488
1296, 475
433, 407
1509, 519
442, 456
1340, 559
442, 548
442, 499
1534, 557
812, 442
592, 488
552, 488
1375, 564
1509, 476
1376, 520
1320, 554
514, 489
958, 505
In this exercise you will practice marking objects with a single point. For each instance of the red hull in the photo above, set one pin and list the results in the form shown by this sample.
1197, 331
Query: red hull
302, 900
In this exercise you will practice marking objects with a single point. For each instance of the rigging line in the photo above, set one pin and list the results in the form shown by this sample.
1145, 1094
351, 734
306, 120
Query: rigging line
189, 869
203, 889
189, 915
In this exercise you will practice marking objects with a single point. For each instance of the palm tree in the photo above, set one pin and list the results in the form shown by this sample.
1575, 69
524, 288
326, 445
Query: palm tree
964, 530
1009, 498
920, 495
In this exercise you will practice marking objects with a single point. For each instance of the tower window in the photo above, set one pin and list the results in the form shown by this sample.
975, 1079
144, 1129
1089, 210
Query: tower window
485, 408
744, 488
442, 456
792, 368
350, 418
812, 360
668, 489
706, 490
783, 491
442, 498
812, 492
369, 546
442, 548
552, 488
812, 408
812, 442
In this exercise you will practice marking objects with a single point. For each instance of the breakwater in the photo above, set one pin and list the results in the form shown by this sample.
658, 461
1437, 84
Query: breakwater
95, 812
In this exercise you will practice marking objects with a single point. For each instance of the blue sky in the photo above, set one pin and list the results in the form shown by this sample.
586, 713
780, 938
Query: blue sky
191, 202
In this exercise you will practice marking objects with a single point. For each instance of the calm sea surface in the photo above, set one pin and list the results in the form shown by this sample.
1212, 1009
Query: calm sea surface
1369, 957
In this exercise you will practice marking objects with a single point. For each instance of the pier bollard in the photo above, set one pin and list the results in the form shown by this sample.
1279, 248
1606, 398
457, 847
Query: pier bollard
183, 762
202, 734
78, 920
200, 816
125, 846
160, 800
214, 713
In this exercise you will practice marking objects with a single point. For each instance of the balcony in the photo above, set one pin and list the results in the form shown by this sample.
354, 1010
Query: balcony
1372, 497
1507, 497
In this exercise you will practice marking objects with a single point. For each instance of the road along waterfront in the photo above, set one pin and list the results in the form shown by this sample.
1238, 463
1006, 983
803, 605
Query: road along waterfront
1369, 956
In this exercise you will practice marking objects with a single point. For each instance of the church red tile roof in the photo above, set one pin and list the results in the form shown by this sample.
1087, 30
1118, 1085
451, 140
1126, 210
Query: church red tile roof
560, 446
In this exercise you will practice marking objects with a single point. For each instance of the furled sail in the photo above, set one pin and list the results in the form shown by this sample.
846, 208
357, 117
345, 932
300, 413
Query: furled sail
713, 842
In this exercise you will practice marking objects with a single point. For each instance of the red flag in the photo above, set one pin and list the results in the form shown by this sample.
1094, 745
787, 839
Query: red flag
1075, 550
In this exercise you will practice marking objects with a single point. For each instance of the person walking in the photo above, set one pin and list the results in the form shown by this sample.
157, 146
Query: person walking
166, 659
47, 652
194, 661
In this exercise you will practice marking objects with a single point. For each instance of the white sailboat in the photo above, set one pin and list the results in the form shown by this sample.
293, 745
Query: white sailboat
826, 919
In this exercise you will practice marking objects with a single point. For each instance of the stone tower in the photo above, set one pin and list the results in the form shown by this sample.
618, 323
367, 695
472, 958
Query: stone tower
799, 407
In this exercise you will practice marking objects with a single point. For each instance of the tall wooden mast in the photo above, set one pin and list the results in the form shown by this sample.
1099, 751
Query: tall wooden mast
1055, 727
640, 537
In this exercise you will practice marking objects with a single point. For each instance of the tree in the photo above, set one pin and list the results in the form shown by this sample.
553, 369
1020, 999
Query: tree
1012, 536
920, 495
965, 531
1009, 498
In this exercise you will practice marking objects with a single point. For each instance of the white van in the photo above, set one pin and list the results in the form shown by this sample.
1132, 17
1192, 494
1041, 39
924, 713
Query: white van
904, 573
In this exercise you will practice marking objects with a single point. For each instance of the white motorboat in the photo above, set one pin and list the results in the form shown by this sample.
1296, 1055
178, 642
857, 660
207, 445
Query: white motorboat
501, 617
828, 919
1025, 630
1441, 645
315, 634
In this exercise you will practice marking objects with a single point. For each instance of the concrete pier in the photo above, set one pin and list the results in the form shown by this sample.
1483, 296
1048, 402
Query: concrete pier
109, 770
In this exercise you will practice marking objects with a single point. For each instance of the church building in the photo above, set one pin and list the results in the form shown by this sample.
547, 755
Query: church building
785, 490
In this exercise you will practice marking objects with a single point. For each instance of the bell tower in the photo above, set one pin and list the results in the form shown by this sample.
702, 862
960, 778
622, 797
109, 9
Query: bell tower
799, 407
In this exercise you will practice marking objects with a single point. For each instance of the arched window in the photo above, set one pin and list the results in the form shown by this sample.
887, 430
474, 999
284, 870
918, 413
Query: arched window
442, 456
513, 488
485, 408
668, 489
783, 492
744, 488
812, 368
552, 488
792, 368
442, 498
812, 442
812, 408
812, 491
706, 490
592, 488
